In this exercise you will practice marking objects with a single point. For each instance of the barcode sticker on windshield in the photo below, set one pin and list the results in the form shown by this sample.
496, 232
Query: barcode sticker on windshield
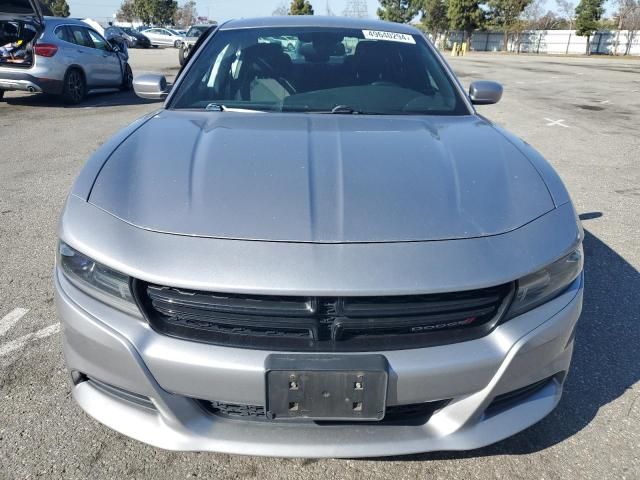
389, 36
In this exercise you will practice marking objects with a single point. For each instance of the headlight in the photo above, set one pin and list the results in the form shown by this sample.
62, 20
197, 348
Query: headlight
544, 285
95, 279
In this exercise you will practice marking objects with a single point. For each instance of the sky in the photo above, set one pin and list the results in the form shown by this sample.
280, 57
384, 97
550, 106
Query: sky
219, 10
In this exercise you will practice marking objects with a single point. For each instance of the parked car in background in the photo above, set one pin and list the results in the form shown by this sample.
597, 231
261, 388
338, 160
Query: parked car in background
336, 256
194, 32
59, 56
164, 37
141, 40
113, 32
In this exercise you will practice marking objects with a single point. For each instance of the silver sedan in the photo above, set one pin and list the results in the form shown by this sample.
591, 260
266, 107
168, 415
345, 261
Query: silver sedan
316, 253
164, 37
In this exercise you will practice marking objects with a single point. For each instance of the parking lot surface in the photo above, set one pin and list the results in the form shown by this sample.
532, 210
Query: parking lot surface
583, 114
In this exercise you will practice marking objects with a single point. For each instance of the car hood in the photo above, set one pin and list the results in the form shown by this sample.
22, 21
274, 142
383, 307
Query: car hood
320, 178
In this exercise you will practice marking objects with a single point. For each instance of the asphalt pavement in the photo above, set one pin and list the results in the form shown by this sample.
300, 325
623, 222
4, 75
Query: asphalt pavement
583, 114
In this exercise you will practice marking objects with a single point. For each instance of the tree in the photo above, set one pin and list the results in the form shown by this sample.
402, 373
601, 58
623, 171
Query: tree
628, 14
59, 8
588, 12
535, 19
400, 11
127, 12
532, 15
567, 9
281, 10
506, 14
465, 15
549, 21
434, 16
628, 18
300, 7
186, 14
155, 12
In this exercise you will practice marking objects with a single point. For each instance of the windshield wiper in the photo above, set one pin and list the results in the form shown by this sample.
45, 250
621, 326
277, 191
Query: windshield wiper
217, 107
345, 109
342, 109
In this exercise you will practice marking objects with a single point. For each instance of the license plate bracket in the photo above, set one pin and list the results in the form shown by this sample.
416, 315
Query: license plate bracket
326, 387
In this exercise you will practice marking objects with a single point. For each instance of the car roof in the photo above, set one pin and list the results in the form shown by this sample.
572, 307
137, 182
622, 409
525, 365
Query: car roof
51, 21
318, 21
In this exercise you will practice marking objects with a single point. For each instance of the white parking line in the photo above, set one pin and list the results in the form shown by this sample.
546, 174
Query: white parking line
9, 320
553, 123
605, 102
20, 343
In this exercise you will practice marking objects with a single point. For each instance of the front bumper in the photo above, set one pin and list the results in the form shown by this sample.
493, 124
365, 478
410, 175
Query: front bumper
165, 375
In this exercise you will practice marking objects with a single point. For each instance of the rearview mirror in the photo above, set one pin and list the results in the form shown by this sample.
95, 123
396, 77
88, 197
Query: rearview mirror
152, 86
483, 92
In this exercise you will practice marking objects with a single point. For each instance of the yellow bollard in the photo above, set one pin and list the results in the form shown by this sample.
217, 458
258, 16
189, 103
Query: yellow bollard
454, 49
464, 49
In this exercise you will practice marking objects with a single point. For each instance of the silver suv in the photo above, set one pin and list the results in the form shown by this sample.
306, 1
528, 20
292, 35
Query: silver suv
190, 39
58, 56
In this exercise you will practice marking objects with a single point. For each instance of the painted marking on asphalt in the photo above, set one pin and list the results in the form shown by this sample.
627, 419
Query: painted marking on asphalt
9, 320
605, 102
553, 123
20, 343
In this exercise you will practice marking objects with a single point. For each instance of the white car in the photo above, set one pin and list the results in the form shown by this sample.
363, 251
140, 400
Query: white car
164, 37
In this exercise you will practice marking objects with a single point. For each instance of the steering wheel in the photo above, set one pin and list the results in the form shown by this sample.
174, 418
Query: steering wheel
284, 83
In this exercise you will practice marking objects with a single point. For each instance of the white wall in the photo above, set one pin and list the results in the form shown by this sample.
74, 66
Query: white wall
552, 42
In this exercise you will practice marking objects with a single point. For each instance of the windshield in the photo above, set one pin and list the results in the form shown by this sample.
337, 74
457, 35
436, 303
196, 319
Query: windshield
303, 69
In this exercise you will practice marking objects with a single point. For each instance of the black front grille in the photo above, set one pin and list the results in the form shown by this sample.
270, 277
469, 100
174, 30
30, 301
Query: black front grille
333, 324
413, 414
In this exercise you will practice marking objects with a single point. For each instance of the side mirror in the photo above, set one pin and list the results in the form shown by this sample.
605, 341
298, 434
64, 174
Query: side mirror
483, 92
152, 86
